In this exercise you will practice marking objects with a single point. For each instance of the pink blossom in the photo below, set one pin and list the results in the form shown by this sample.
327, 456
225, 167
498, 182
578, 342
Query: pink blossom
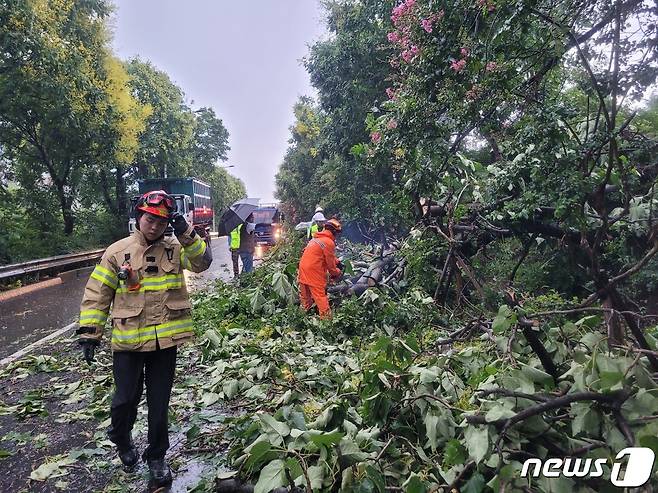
393, 37
427, 25
491, 66
464, 52
458, 65
390, 92
399, 10
376, 137
410, 54
410, 3
395, 63
391, 124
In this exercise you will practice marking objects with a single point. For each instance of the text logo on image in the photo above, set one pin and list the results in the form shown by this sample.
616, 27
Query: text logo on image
636, 472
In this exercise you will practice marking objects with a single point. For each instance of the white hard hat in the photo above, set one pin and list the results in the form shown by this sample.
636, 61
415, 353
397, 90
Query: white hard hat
318, 216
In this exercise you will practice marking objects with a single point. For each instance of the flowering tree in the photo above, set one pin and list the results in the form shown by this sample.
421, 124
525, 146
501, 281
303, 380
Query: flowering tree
518, 118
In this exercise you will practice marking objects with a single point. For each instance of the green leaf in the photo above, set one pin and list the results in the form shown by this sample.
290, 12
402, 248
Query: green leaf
327, 439
454, 453
272, 476
414, 484
5, 453
230, 388
431, 429
475, 484
477, 442
282, 286
51, 469
377, 478
257, 452
193, 432
504, 320
294, 468
272, 425
209, 398
500, 411
350, 452
315, 476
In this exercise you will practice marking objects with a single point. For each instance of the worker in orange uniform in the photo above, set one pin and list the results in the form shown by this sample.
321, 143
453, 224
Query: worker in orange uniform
318, 260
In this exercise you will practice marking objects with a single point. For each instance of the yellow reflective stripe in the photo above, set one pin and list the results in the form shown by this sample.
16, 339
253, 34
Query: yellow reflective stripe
195, 249
185, 261
144, 334
96, 317
162, 283
105, 276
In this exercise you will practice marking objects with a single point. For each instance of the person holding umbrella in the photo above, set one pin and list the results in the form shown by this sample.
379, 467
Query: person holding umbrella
242, 245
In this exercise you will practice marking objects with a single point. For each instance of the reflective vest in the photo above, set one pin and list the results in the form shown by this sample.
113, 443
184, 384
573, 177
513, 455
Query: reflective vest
312, 230
235, 238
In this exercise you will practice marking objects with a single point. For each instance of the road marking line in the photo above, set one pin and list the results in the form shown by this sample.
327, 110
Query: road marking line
19, 354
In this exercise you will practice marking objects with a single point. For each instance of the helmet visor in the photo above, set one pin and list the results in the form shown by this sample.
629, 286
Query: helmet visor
154, 199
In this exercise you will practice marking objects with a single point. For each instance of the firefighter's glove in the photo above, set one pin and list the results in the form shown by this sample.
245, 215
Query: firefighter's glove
178, 222
88, 347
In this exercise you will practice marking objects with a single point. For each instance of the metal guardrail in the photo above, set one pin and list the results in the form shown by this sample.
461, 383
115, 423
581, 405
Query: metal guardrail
39, 265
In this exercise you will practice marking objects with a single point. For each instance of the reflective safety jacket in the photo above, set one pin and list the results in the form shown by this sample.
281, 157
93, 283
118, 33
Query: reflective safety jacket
318, 260
153, 304
234, 238
312, 231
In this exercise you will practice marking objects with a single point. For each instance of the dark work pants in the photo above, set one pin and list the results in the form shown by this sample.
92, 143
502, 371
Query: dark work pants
130, 369
235, 255
247, 261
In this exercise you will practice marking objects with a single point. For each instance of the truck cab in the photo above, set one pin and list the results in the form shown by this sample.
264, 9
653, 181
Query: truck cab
269, 225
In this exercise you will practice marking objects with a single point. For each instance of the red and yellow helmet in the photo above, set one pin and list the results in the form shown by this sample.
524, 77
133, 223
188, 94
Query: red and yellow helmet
158, 202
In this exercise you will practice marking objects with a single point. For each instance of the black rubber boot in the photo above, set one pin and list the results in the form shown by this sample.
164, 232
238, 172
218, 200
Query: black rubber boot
159, 473
129, 457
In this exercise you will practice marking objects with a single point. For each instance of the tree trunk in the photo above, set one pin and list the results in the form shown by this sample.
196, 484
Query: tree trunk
120, 193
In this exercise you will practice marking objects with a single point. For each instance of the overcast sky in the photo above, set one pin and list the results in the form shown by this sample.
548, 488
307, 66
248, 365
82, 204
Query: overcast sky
240, 57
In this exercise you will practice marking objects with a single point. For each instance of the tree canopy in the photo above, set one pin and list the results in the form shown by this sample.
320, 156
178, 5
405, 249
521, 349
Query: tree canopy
78, 127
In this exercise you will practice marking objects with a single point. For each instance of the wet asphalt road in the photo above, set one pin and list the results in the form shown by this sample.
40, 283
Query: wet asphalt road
27, 317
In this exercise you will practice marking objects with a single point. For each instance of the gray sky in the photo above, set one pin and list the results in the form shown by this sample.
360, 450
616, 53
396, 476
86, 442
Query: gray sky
240, 57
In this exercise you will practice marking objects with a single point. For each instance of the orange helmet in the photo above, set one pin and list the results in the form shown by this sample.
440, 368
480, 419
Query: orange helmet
158, 202
333, 225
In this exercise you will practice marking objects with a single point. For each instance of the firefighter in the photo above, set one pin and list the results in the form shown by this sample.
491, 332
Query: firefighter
141, 277
318, 260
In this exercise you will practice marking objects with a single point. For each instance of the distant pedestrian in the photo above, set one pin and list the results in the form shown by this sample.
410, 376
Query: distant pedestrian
242, 244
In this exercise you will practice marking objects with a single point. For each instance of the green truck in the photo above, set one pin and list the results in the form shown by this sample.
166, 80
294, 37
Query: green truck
193, 200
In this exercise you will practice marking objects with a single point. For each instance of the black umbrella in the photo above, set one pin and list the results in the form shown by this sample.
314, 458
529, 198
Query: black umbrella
235, 215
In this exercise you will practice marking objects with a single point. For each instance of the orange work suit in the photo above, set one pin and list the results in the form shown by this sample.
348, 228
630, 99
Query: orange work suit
318, 260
